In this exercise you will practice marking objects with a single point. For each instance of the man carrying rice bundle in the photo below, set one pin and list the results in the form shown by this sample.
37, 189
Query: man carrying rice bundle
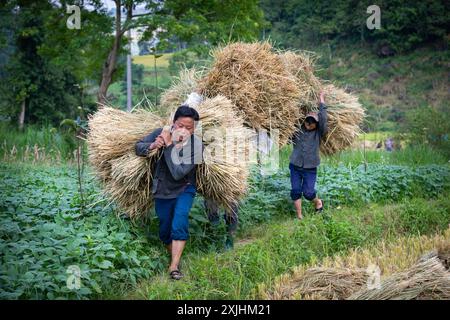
305, 158
174, 179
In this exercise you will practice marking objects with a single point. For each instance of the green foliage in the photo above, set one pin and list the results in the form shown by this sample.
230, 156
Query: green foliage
391, 88
43, 233
285, 243
204, 22
50, 66
404, 24
430, 126
188, 58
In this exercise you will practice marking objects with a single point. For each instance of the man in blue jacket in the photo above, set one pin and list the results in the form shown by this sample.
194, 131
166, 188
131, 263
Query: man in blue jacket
305, 158
174, 182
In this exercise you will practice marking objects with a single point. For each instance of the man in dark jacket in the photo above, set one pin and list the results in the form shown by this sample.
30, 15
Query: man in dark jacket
305, 158
174, 183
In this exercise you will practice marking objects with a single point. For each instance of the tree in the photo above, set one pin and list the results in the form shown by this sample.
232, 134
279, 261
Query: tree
200, 21
404, 24
45, 65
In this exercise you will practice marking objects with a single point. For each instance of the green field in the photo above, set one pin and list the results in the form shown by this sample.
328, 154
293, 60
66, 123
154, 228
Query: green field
47, 227
149, 61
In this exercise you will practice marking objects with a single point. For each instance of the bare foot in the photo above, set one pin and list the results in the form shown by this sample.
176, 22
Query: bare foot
299, 216
317, 202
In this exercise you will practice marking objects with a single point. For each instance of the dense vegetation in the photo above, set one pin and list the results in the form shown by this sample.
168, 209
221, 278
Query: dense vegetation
405, 25
46, 228
49, 75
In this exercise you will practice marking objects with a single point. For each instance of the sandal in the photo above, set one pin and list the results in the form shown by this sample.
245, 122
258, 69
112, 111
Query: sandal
321, 208
176, 275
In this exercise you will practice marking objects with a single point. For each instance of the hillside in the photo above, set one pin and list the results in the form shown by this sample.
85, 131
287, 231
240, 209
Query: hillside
390, 87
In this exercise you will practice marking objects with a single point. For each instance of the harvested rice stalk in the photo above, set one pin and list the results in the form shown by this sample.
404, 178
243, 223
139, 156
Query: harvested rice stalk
113, 133
255, 79
127, 178
181, 87
428, 279
327, 283
302, 66
345, 115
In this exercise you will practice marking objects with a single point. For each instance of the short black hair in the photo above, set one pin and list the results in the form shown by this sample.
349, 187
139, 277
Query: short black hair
186, 111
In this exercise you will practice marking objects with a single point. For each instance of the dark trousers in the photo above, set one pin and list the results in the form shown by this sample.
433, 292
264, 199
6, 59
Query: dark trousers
230, 216
303, 182
173, 215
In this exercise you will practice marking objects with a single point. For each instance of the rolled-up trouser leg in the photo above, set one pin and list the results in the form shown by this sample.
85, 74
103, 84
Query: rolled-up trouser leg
309, 183
296, 182
164, 210
180, 222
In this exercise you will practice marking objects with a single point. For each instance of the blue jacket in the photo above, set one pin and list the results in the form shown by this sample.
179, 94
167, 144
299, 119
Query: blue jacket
307, 143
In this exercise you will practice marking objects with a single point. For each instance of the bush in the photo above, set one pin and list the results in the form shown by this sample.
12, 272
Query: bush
43, 233
431, 126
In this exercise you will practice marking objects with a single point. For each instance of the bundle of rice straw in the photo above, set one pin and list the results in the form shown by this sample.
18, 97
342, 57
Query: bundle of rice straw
326, 284
182, 86
345, 116
345, 113
127, 178
302, 66
223, 174
428, 279
255, 79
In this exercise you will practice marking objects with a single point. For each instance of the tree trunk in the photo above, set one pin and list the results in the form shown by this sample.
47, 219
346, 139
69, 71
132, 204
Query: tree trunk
108, 70
110, 64
22, 116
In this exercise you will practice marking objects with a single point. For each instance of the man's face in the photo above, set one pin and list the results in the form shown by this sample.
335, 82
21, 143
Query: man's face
183, 128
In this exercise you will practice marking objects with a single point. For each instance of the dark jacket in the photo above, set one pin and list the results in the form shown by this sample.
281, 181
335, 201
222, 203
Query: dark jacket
306, 143
175, 169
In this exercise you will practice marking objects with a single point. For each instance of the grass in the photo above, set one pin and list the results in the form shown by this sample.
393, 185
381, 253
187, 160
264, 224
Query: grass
411, 155
285, 243
46, 227
35, 144
388, 87
376, 136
